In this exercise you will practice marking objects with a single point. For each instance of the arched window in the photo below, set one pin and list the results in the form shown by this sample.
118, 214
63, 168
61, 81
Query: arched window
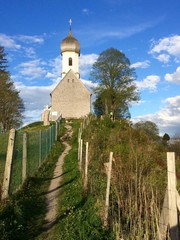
70, 61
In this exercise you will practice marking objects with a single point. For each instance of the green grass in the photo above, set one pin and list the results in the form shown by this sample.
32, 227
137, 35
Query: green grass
137, 189
16, 168
39, 144
22, 216
78, 218
36, 126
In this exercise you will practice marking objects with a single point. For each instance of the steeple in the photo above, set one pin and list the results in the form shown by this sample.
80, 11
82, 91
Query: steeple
70, 51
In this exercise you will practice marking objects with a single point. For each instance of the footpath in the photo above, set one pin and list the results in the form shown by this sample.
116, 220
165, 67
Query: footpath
53, 191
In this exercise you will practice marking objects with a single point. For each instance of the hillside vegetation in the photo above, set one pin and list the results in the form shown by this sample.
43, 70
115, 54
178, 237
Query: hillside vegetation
138, 180
138, 183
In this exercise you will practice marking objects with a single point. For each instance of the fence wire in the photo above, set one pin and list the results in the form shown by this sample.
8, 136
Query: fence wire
37, 147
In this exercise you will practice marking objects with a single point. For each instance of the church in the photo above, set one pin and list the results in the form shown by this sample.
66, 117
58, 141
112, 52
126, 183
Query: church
70, 98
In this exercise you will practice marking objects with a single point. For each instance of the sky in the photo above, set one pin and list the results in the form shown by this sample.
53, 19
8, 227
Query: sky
147, 32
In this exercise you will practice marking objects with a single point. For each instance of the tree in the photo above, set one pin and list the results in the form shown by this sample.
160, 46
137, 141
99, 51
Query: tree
150, 128
11, 105
115, 77
165, 138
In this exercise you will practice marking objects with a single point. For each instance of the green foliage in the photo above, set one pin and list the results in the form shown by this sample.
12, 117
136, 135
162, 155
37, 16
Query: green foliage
175, 147
11, 105
165, 138
116, 89
149, 128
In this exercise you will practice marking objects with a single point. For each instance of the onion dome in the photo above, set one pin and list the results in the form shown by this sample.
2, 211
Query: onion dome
70, 44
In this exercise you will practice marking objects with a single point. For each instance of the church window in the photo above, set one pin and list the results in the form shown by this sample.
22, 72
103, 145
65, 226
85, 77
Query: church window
68, 80
72, 80
70, 61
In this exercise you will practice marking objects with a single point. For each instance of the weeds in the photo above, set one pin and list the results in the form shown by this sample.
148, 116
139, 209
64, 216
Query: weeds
138, 177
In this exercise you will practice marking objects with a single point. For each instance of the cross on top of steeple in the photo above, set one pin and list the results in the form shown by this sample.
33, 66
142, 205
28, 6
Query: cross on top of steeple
70, 23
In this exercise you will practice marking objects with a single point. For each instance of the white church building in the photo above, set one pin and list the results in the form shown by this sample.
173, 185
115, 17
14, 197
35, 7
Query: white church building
70, 98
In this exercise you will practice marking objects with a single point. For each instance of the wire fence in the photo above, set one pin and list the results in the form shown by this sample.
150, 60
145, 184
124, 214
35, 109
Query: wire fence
29, 152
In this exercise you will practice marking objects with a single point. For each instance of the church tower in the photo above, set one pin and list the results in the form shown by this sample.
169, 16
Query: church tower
70, 98
70, 51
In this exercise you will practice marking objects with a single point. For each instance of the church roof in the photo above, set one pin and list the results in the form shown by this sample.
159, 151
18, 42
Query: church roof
70, 44
71, 74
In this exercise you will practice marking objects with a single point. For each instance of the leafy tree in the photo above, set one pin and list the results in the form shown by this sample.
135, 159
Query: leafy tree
165, 138
115, 78
150, 128
11, 105
99, 108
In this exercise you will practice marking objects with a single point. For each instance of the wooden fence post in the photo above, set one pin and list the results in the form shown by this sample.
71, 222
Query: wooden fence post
169, 214
46, 136
9, 158
79, 143
56, 131
50, 138
86, 167
40, 147
108, 189
24, 162
80, 160
172, 196
164, 218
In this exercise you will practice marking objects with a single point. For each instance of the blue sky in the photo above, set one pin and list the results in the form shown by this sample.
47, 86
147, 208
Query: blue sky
146, 31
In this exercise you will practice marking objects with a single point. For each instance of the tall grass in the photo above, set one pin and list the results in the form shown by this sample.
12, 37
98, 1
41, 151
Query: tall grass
138, 180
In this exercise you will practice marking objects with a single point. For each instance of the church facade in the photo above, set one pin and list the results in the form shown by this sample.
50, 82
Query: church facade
70, 98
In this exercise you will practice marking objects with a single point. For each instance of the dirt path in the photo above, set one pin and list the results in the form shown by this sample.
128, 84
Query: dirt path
52, 194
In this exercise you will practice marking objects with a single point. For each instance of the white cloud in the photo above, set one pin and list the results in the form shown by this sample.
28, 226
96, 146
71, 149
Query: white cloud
163, 58
36, 69
32, 116
89, 84
35, 99
174, 102
144, 64
32, 69
173, 77
166, 47
168, 118
85, 11
30, 39
8, 42
86, 62
50, 75
102, 32
150, 82
30, 52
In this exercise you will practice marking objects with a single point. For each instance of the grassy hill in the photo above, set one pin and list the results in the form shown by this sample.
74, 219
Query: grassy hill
138, 180
138, 184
